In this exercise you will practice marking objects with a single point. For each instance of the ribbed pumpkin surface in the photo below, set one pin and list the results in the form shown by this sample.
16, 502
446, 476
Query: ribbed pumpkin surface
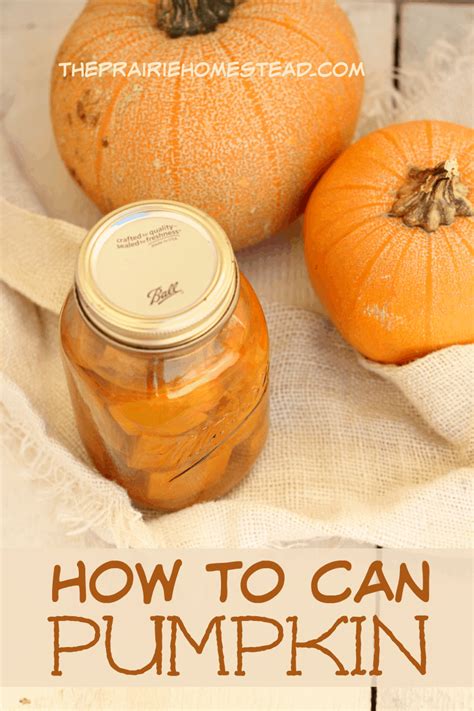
246, 150
395, 292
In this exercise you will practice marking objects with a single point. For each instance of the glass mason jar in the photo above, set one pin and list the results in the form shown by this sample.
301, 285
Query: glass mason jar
165, 349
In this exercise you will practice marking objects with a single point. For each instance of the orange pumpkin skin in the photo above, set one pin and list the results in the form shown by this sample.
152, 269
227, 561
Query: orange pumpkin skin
395, 292
246, 150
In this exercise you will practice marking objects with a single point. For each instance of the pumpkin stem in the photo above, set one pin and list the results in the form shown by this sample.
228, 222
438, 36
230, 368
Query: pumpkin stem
432, 197
193, 17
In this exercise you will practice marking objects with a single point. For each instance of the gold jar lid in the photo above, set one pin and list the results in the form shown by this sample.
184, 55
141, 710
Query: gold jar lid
157, 275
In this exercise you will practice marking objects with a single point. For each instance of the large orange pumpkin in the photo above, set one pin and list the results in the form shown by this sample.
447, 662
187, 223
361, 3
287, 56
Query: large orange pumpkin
389, 240
245, 149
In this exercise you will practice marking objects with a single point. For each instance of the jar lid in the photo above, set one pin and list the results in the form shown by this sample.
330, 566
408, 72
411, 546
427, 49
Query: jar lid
157, 275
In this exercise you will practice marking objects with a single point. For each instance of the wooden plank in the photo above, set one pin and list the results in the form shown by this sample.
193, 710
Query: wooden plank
374, 24
425, 699
422, 24
18, 15
230, 699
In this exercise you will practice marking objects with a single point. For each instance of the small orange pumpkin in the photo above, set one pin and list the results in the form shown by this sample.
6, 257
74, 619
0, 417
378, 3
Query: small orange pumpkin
389, 240
245, 149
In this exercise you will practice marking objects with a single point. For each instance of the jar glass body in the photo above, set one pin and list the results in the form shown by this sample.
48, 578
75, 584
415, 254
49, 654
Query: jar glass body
173, 428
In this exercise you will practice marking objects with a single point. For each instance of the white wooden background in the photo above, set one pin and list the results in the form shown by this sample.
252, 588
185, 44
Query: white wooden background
27, 519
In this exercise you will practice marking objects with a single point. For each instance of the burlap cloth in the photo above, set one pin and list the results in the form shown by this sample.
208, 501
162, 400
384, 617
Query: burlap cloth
381, 454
